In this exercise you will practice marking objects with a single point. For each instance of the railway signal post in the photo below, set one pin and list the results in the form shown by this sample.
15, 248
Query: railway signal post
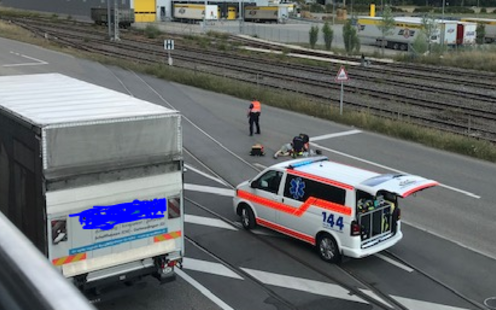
342, 77
169, 46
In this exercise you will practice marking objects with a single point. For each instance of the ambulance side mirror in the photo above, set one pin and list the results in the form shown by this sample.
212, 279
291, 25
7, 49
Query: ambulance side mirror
254, 184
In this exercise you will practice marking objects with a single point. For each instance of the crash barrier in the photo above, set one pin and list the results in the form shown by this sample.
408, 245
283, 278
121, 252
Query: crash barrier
27, 280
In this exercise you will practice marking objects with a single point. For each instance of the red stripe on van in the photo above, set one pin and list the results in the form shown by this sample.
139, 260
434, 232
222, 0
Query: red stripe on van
311, 201
419, 188
320, 179
286, 231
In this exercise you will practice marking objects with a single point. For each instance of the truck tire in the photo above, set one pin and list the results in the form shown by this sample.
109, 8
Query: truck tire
247, 218
328, 249
396, 46
403, 47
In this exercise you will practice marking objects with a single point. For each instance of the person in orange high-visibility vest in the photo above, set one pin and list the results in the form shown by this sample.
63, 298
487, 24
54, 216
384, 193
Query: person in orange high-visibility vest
254, 112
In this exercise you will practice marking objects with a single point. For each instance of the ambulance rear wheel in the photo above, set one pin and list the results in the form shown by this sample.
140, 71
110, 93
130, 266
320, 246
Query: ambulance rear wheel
328, 249
247, 217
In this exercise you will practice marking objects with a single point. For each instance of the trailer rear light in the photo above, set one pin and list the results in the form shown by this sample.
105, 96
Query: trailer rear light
355, 229
171, 263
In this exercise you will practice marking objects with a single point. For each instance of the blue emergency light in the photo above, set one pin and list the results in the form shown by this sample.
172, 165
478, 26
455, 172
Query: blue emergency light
307, 162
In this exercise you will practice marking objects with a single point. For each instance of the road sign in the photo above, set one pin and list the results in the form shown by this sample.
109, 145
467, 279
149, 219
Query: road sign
342, 75
169, 44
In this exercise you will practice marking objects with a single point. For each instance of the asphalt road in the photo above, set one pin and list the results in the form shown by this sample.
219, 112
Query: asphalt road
448, 248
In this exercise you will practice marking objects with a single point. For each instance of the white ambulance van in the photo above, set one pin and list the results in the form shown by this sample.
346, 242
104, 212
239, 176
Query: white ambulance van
340, 209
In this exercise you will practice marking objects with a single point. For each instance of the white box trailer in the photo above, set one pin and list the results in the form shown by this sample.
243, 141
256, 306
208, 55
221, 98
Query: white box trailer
489, 27
266, 14
93, 178
195, 12
406, 30
466, 33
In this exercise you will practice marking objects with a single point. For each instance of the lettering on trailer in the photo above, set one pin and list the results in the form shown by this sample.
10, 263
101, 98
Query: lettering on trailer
106, 217
169, 44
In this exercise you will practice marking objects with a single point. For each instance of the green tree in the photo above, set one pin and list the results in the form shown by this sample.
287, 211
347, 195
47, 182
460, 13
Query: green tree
481, 33
314, 36
429, 28
419, 44
328, 35
350, 37
386, 25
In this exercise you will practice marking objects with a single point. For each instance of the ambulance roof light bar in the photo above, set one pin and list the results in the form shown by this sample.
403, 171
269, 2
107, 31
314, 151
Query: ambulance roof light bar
307, 162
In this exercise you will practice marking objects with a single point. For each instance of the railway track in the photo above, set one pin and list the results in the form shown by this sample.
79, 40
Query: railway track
448, 112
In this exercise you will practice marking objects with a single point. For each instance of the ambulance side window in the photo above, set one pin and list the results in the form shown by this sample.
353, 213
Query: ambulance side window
301, 189
269, 181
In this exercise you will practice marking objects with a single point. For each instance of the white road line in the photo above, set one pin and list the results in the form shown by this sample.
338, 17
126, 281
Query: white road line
391, 169
209, 267
205, 174
259, 165
395, 263
373, 295
310, 286
219, 302
209, 189
207, 221
36, 63
414, 304
334, 135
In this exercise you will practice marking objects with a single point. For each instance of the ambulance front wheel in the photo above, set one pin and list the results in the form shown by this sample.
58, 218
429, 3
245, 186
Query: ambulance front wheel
328, 248
247, 217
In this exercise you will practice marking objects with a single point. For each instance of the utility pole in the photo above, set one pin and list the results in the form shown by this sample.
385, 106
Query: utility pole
108, 19
116, 22
443, 7
241, 17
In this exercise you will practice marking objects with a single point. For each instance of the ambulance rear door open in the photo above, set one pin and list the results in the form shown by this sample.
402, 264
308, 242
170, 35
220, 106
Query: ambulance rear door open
399, 184
377, 210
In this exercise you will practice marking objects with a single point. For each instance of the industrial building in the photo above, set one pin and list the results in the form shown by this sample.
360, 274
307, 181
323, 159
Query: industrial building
145, 10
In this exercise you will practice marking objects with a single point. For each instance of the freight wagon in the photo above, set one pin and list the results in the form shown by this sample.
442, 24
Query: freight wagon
266, 14
194, 12
125, 18
489, 27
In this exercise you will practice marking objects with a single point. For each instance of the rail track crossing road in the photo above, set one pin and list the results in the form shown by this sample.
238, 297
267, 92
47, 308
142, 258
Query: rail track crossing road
445, 260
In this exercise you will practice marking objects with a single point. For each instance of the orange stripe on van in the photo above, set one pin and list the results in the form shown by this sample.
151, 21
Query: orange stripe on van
320, 179
69, 259
286, 231
311, 201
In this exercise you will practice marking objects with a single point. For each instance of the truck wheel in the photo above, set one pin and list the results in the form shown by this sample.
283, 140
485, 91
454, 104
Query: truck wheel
395, 46
328, 249
403, 47
247, 217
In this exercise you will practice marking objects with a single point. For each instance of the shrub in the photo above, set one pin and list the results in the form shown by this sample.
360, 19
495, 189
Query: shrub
483, 10
314, 36
152, 31
328, 35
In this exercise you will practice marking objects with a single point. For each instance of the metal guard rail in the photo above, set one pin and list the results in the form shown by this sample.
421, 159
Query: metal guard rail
28, 281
